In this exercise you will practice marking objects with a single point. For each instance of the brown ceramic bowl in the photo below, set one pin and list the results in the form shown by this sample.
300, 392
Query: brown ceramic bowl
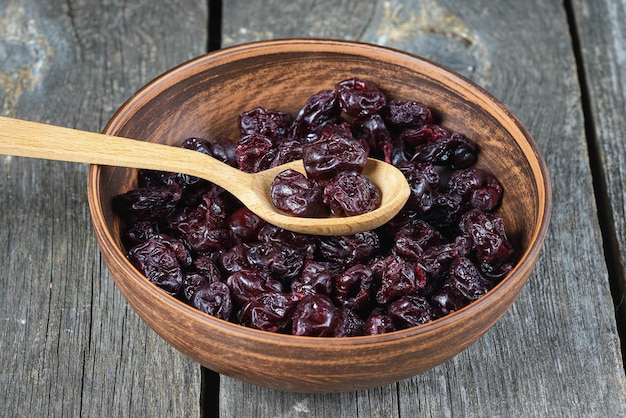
204, 96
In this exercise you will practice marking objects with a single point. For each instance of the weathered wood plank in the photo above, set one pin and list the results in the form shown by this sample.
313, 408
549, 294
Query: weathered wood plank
603, 50
254, 21
69, 343
560, 335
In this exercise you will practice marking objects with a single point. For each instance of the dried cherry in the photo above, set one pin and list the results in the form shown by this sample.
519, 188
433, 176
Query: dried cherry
295, 194
359, 97
315, 316
350, 193
336, 150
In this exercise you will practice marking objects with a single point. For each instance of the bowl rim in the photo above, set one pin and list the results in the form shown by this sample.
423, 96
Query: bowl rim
311, 45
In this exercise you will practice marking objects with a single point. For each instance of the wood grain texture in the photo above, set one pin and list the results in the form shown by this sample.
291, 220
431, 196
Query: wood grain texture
560, 335
603, 52
73, 63
69, 343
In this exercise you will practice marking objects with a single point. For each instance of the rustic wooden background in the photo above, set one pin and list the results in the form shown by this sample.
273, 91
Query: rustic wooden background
71, 346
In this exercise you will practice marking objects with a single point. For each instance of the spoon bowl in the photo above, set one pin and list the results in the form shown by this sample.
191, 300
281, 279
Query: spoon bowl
37, 140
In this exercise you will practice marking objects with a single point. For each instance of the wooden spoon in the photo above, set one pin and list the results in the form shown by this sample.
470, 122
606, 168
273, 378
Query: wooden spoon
37, 140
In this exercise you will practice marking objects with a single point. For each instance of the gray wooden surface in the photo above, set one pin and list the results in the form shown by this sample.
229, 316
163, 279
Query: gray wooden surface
71, 346
603, 54
69, 343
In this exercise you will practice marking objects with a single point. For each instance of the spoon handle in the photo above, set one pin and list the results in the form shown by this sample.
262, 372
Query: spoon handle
37, 140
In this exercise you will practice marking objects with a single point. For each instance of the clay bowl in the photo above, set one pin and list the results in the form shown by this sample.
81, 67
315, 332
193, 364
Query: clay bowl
204, 96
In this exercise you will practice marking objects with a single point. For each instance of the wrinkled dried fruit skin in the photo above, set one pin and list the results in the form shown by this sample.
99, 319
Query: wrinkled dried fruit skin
359, 98
295, 194
406, 114
273, 235
254, 153
225, 150
271, 311
148, 203
411, 311
205, 264
352, 288
445, 249
464, 284
159, 259
213, 299
282, 262
250, 283
350, 194
274, 124
378, 322
201, 227
413, 239
233, 259
140, 231
320, 110
423, 181
487, 236
315, 316
350, 249
192, 282
336, 150
349, 324
373, 134
316, 278
287, 151
477, 188
244, 225
454, 150
399, 278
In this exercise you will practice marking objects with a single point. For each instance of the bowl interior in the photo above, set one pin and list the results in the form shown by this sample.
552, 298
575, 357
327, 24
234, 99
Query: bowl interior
203, 98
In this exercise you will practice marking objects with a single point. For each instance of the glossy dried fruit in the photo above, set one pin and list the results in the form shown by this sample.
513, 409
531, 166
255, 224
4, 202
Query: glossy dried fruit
359, 98
372, 132
148, 203
336, 150
244, 225
254, 153
378, 322
350, 193
423, 181
250, 283
161, 259
349, 324
350, 249
315, 316
273, 124
399, 278
281, 261
271, 311
411, 311
352, 288
213, 299
444, 250
202, 227
477, 188
295, 194
320, 110
406, 114
464, 284
315, 278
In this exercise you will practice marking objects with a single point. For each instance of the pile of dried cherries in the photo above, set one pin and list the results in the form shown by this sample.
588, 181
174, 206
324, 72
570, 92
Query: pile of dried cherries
444, 250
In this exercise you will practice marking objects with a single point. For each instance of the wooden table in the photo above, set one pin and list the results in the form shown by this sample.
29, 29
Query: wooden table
71, 346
